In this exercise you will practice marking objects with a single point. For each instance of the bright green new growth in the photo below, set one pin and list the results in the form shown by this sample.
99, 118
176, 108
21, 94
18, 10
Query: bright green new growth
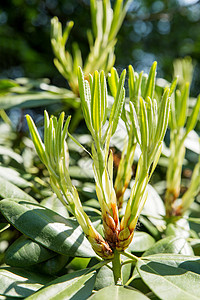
106, 23
54, 154
144, 126
180, 126
147, 118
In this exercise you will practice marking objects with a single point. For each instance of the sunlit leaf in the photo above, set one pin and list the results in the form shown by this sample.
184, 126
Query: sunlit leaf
46, 227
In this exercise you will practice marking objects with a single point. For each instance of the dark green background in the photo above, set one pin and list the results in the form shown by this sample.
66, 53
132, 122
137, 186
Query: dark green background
153, 30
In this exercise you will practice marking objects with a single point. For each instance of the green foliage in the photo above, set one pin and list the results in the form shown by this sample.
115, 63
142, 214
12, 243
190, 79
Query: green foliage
106, 23
180, 127
59, 239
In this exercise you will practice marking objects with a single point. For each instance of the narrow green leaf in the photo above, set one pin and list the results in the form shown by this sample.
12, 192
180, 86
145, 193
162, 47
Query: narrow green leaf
85, 96
134, 120
131, 83
66, 32
173, 86
183, 111
144, 126
46, 129
65, 131
118, 103
46, 227
103, 105
96, 102
163, 115
76, 285
113, 81
36, 139
93, 9
192, 120
58, 135
79, 144
150, 86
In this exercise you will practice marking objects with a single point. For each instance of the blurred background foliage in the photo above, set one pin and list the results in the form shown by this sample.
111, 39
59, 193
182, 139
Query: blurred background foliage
159, 30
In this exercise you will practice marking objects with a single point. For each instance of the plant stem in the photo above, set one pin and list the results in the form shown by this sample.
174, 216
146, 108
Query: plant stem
131, 256
117, 268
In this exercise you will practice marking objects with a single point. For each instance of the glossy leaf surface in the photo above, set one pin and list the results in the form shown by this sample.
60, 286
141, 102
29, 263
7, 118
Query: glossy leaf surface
46, 227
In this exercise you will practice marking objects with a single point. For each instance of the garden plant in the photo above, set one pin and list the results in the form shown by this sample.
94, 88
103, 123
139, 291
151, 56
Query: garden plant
76, 224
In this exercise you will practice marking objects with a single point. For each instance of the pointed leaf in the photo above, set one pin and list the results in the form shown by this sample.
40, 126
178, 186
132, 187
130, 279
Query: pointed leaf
36, 139
118, 103
150, 86
183, 111
46, 227
192, 120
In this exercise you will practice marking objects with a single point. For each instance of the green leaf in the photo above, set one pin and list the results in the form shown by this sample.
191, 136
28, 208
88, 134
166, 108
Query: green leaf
150, 86
93, 10
51, 266
135, 122
173, 86
96, 102
163, 116
171, 276
192, 120
118, 293
46, 227
183, 110
76, 286
9, 190
170, 244
85, 95
141, 242
113, 81
144, 125
118, 103
25, 252
16, 282
37, 140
